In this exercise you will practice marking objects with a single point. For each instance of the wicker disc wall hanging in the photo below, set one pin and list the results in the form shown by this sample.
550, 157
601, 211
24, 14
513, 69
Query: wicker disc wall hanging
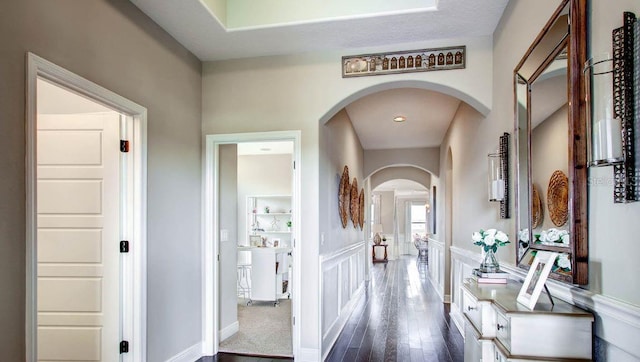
344, 193
355, 203
361, 199
558, 198
536, 208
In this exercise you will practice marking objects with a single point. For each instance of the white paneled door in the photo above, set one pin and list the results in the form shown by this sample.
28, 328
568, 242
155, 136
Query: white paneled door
78, 204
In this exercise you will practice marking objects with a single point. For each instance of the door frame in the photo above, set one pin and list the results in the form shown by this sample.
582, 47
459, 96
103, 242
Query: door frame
211, 242
134, 308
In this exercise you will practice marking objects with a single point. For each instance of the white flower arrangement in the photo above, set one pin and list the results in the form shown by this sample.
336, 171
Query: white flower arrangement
555, 237
523, 236
490, 239
563, 262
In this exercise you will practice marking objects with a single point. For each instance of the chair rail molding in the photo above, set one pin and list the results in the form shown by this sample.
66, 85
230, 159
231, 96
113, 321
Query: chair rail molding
617, 324
342, 275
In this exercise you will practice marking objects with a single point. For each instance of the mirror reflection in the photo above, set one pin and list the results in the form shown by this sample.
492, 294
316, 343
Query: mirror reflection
546, 123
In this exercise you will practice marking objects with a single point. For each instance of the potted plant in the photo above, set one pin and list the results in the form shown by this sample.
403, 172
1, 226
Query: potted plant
289, 225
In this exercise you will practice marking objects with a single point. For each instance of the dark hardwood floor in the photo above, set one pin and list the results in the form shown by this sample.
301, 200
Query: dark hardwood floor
228, 357
398, 318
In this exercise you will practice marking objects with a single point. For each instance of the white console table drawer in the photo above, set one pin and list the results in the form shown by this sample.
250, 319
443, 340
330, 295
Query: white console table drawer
557, 332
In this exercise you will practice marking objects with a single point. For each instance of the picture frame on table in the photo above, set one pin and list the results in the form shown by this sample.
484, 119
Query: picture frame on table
536, 277
255, 240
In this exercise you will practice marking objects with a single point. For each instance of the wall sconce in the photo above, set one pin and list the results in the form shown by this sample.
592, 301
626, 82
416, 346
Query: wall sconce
498, 168
604, 127
496, 177
612, 95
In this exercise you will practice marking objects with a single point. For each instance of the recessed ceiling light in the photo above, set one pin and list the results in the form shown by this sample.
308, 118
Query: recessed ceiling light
265, 149
399, 119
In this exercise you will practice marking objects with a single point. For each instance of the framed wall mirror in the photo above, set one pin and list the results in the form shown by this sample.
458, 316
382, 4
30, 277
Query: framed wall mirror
551, 150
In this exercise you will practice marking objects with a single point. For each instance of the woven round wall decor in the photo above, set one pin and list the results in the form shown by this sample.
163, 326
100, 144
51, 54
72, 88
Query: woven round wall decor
558, 198
344, 197
361, 221
355, 203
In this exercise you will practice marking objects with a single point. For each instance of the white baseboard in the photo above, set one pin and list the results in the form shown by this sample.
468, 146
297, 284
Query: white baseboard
229, 330
190, 354
308, 355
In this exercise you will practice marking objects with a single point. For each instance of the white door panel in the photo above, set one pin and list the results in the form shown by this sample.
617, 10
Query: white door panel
78, 202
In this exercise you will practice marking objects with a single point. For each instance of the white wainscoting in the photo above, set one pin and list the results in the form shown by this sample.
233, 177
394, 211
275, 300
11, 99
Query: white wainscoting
341, 283
436, 266
617, 324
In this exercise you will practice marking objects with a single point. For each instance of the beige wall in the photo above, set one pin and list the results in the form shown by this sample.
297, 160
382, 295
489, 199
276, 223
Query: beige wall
302, 92
116, 46
340, 147
228, 220
549, 152
401, 172
517, 30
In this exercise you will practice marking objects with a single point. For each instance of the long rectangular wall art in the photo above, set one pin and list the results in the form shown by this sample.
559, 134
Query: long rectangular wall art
422, 60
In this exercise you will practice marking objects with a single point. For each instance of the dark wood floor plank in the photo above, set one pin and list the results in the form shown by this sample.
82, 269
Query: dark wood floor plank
399, 318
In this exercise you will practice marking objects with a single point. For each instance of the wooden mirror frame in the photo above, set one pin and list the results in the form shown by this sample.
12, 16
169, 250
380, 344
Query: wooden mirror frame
539, 55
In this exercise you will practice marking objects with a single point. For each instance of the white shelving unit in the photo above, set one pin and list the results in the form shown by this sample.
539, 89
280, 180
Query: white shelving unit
267, 216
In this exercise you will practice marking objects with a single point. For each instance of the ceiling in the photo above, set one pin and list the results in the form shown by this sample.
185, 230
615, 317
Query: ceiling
230, 29
428, 115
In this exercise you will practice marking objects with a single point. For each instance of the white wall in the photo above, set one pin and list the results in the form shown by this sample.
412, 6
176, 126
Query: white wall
261, 175
426, 158
301, 92
228, 157
400, 172
613, 229
516, 32
340, 147
115, 45
342, 250
549, 152
610, 223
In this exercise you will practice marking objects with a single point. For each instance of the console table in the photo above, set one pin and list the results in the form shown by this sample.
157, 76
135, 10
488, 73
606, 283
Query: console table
373, 253
498, 328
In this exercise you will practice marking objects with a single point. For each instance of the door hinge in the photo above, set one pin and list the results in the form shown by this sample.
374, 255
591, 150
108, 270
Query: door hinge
294, 165
124, 347
124, 146
294, 320
124, 246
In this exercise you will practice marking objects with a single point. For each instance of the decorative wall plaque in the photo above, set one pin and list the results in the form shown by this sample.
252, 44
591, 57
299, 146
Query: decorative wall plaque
422, 60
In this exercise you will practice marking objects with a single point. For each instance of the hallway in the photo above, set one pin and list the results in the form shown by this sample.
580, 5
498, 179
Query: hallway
399, 318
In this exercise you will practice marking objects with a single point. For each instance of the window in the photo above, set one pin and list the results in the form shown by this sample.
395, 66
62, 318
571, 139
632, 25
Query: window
418, 218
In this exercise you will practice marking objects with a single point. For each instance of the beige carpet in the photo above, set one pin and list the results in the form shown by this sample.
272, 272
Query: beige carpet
264, 330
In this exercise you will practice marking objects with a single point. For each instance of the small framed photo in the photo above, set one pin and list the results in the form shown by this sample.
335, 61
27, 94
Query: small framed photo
537, 276
276, 243
255, 240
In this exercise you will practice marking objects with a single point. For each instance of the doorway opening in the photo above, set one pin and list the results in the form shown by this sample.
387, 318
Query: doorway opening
85, 204
252, 184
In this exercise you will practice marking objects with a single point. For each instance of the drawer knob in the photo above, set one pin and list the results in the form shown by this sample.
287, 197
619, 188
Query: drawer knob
470, 308
500, 326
